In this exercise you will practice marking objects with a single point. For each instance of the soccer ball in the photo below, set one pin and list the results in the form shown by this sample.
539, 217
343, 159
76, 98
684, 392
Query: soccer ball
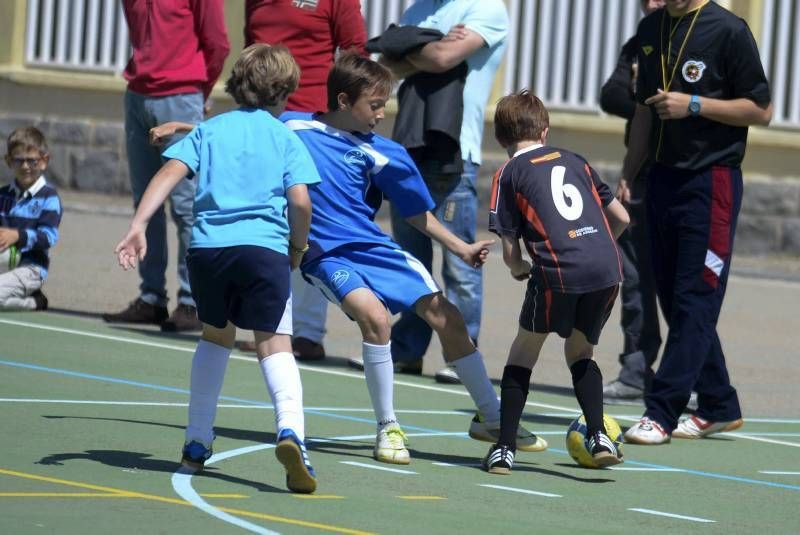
9, 259
576, 439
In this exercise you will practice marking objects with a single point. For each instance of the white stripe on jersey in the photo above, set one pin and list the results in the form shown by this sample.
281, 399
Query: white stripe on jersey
380, 159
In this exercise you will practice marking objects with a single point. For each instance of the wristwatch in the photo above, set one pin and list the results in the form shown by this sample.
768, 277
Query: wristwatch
298, 250
694, 106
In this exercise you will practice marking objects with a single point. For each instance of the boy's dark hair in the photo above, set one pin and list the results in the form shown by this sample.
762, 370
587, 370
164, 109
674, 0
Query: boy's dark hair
519, 117
354, 75
262, 76
27, 138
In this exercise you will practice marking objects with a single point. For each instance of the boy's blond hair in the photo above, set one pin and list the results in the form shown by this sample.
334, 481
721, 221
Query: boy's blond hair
354, 75
519, 117
27, 138
262, 76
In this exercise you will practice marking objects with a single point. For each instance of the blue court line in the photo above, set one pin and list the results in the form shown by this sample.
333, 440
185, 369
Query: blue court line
184, 391
372, 422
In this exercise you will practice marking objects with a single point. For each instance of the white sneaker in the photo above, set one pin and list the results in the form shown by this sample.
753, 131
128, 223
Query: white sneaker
390, 445
647, 432
526, 441
448, 376
696, 427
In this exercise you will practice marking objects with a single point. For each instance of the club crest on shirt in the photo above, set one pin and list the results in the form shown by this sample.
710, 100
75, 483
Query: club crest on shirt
355, 157
306, 4
339, 277
692, 70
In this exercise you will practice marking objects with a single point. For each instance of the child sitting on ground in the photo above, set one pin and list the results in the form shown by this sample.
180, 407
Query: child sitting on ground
568, 220
30, 212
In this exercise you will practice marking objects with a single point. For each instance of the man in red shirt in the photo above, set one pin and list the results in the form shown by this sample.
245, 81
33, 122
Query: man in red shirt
312, 30
179, 47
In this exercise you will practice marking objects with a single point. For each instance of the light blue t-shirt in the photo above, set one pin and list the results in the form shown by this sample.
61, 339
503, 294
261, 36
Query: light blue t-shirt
357, 171
487, 18
244, 161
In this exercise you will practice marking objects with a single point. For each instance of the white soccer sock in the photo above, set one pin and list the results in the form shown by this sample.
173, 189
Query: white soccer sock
472, 372
379, 372
208, 373
286, 391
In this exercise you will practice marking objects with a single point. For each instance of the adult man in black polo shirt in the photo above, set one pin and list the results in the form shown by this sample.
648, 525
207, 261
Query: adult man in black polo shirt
700, 85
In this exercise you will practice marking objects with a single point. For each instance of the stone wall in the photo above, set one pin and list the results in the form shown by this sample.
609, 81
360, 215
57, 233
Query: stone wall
90, 156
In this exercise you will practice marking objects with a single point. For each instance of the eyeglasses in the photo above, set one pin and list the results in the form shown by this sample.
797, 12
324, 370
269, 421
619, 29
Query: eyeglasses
19, 162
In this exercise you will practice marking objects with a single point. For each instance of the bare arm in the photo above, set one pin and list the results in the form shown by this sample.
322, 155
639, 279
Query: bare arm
735, 112
160, 133
638, 149
133, 246
474, 254
299, 212
617, 216
441, 56
401, 68
512, 256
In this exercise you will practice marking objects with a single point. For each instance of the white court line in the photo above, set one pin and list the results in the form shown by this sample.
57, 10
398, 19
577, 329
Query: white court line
672, 515
778, 473
523, 491
372, 466
767, 440
450, 465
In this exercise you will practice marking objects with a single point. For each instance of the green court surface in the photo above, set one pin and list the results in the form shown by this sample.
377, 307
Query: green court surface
92, 424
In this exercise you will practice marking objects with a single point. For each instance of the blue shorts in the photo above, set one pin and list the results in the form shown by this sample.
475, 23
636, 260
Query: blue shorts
246, 285
393, 275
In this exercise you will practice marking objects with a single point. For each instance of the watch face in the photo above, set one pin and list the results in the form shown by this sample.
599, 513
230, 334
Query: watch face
694, 107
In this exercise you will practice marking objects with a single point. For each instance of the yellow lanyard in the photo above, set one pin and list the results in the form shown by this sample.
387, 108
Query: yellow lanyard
665, 59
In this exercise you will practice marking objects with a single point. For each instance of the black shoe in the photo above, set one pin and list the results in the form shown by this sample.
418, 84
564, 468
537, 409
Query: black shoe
603, 450
498, 460
40, 299
194, 455
183, 318
413, 367
138, 312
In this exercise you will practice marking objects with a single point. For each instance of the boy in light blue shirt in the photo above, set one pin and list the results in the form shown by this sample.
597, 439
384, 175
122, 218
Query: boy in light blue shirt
252, 214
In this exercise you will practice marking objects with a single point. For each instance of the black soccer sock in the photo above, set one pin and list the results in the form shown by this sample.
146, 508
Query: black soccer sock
513, 394
588, 383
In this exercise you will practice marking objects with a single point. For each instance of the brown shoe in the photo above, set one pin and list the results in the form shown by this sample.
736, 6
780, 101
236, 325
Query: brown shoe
307, 350
138, 311
183, 318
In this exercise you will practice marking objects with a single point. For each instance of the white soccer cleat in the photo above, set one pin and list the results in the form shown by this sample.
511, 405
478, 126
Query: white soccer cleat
696, 427
526, 441
390, 445
647, 432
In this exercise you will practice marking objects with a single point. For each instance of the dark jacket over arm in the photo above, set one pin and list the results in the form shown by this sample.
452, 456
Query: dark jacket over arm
617, 96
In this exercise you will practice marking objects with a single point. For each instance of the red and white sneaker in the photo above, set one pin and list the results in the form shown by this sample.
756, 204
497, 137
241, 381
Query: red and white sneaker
647, 432
696, 427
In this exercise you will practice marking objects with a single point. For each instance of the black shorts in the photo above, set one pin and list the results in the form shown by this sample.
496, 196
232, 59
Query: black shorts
546, 311
246, 285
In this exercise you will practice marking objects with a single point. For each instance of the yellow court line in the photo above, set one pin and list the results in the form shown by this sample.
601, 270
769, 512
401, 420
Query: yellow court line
174, 501
421, 497
60, 495
224, 496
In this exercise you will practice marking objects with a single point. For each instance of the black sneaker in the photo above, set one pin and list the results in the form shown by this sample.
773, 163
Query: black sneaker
604, 451
40, 299
183, 318
499, 460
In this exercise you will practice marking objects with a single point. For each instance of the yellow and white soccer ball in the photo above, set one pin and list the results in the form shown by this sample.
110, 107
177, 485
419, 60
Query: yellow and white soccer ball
576, 439
9, 259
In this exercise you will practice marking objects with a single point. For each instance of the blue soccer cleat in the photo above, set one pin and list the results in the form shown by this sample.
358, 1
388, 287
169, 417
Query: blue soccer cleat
292, 454
195, 454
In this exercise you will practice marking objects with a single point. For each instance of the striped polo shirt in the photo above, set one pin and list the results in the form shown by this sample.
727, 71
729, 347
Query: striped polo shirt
36, 214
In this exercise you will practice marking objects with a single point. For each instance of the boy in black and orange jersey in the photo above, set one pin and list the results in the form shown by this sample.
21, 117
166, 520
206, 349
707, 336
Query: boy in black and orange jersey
568, 220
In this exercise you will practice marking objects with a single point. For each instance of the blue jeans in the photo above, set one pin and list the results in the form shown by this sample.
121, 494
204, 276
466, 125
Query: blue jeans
456, 208
141, 114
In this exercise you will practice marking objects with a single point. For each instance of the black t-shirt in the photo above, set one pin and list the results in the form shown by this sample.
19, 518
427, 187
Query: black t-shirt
553, 200
720, 60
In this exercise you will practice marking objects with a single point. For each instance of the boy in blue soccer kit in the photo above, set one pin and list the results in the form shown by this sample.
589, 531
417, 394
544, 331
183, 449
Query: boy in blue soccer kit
568, 220
252, 176
357, 266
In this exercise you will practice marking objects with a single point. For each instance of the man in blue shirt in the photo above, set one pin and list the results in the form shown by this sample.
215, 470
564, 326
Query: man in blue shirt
476, 34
